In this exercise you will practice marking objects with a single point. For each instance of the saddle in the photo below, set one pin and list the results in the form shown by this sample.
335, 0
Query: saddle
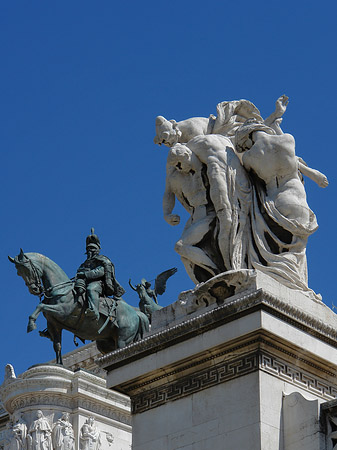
107, 307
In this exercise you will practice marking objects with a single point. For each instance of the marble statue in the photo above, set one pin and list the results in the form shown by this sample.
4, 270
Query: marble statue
280, 216
40, 433
9, 373
18, 433
185, 181
90, 436
227, 196
240, 180
63, 434
230, 115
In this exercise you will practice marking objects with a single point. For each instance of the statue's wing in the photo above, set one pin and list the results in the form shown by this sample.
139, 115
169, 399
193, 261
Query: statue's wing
160, 283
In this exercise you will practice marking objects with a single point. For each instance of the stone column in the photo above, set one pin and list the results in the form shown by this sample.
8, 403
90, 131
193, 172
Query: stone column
227, 366
54, 390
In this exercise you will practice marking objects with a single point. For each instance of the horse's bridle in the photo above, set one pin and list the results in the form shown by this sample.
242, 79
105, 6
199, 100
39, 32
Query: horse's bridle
37, 280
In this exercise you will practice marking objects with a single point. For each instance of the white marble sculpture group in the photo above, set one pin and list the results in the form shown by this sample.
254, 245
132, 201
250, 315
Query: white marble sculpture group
43, 434
240, 180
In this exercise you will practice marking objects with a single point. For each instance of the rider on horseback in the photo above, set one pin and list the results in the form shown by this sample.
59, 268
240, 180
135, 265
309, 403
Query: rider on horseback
96, 276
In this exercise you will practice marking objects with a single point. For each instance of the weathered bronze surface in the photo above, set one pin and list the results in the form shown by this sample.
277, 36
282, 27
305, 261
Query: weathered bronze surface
111, 322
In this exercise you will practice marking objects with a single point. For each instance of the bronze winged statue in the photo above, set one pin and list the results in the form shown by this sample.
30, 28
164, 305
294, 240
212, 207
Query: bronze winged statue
148, 302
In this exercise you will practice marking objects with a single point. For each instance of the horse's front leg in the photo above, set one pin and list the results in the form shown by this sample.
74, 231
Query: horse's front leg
41, 307
32, 318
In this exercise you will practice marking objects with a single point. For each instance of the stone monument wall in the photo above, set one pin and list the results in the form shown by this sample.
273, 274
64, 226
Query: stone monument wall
74, 401
250, 371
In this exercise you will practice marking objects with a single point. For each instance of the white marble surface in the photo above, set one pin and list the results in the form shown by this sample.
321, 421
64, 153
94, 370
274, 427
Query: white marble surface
286, 342
239, 178
56, 390
191, 303
205, 420
301, 422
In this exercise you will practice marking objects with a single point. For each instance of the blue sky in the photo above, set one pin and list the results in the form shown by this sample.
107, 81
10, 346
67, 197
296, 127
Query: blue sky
81, 85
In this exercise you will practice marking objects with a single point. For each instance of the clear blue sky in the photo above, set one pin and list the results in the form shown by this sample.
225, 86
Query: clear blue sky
81, 85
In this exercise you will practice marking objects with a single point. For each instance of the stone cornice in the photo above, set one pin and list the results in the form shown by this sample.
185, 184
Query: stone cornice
229, 311
53, 369
51, 385
83, 375
146, 397
87, 389
48, 377
259, 341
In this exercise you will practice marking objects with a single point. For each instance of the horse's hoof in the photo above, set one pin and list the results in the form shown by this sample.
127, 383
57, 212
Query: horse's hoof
31, 326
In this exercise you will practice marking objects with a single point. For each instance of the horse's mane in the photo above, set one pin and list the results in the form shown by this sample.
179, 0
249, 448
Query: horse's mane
46, 263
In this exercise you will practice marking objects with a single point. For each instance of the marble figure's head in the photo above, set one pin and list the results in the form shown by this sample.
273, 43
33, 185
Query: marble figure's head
180, 157
167, 131
65, 416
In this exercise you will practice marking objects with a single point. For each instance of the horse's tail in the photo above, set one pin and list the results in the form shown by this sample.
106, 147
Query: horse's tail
143, 325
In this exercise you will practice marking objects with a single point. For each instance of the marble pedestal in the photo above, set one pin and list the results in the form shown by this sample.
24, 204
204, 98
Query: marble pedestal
250, 371
55, 390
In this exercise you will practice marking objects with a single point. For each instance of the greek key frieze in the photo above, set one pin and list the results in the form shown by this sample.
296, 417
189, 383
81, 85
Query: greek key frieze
297, 376
230, 369
191, 384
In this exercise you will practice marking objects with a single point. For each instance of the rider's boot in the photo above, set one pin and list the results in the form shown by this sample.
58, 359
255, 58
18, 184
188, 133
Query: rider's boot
93, 302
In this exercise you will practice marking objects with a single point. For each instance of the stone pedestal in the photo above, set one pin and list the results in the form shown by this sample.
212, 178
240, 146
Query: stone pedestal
249, 371
55, 390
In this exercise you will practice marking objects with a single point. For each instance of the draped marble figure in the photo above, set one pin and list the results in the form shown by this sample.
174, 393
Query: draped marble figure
90, 436
40, 433
240, 180
63, 434
18, 430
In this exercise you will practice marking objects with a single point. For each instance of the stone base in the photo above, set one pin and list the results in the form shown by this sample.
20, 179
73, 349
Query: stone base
55, 390
229, 373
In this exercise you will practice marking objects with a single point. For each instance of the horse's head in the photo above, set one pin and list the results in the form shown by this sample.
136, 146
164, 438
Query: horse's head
26, 269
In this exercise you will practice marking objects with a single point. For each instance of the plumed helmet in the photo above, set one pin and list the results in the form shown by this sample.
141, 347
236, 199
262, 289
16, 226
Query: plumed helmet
92, 240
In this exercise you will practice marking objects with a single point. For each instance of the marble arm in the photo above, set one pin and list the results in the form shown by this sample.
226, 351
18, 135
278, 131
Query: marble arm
276, 126
274, 120
316, 176
168, 206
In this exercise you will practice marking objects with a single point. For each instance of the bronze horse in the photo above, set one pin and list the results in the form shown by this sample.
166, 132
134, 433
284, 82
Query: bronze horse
62, 309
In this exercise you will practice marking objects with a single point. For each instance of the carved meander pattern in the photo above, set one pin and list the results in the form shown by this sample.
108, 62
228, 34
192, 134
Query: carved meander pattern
228, 370
298, 377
